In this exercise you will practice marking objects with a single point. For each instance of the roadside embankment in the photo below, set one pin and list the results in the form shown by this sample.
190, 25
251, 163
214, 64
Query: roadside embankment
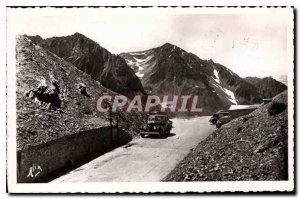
251, 147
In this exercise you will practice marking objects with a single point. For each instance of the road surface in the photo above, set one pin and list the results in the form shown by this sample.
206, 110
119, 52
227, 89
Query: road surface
148, 159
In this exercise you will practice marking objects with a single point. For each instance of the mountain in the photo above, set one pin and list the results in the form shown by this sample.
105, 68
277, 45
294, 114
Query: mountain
268, 86
55, 98
171, 70
110, 70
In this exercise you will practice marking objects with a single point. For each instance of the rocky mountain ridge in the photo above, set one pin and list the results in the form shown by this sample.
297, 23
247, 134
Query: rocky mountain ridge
267, 85
55, 99
165, 70
168, 69
87, 55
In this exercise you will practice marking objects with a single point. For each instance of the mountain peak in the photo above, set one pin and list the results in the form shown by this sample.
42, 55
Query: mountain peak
269, 78
78, 34
82, 36
168, 45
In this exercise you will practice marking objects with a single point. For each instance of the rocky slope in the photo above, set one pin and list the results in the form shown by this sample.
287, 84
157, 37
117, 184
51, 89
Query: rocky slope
55, 99
110, 70
268, 86
170, 70
251, 147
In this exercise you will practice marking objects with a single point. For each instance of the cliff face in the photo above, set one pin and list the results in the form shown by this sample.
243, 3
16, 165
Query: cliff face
88, 56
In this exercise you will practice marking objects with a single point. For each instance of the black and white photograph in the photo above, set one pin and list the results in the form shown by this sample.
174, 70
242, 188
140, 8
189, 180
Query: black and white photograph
153, 99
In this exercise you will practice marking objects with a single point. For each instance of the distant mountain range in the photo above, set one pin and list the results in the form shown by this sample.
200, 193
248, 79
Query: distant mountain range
165, 70
268, 86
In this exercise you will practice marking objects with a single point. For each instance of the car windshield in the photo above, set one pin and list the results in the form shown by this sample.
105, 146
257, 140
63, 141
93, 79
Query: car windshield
156, 118
224, 114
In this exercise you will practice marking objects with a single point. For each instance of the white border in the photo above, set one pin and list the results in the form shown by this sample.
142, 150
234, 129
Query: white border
137, 187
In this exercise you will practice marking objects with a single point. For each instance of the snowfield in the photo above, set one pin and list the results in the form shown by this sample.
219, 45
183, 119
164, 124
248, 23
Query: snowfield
229, 94
216, 73
141, 64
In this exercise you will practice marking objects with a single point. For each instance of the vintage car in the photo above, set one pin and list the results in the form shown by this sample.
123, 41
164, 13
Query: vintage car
223, 119
217, 115
157, 124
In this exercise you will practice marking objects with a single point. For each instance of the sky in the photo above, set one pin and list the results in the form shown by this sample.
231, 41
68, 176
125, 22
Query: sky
250, 44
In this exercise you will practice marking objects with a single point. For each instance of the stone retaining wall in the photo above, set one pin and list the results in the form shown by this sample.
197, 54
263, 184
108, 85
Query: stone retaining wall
38, 161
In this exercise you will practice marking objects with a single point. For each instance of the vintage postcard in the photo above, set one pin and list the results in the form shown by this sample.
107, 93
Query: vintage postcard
147, 100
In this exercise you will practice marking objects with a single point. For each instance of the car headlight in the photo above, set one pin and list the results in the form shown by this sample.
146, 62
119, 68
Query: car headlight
155, 127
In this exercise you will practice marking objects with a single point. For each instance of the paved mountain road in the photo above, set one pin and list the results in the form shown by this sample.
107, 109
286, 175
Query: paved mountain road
148, 159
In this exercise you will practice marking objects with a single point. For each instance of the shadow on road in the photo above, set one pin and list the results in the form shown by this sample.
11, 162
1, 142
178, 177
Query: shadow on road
157, 137
171, 135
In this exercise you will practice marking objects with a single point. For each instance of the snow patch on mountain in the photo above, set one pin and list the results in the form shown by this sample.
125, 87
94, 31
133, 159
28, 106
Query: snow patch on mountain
228, 93
139, 63
139, 74
231, 96
173, 49
137, 53
229, 71
129, 62
217, 79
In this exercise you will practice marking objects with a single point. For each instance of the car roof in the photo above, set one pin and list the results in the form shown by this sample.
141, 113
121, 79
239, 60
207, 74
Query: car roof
158, 115
222, 111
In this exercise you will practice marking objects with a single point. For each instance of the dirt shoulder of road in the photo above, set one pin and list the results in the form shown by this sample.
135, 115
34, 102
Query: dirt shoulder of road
251, 147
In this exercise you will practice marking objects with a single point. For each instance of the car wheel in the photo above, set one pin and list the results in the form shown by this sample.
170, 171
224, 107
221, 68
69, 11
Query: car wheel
165, 134
142, 135
168, 133
161, 133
